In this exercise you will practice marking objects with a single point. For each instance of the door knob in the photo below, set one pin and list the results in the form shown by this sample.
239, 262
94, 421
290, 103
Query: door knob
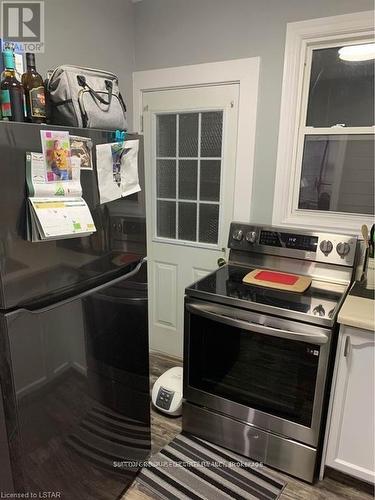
221, 262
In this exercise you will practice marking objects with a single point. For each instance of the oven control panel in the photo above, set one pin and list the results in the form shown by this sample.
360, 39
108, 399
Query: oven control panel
322, 247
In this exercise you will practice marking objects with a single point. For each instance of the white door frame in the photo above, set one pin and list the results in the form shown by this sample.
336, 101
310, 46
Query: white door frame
245, 72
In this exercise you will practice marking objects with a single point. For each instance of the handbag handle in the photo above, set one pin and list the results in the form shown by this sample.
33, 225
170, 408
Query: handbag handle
83, 83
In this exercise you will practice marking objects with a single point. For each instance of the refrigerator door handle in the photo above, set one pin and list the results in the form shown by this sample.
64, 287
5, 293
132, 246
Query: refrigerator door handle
82, 295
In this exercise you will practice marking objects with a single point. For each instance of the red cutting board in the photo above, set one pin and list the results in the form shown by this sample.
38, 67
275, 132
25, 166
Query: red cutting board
277, 280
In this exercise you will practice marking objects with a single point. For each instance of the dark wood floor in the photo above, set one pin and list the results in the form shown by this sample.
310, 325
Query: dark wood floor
164, 429
56, 448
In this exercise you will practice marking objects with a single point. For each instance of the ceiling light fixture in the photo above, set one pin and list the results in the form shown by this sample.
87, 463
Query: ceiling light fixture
364, 52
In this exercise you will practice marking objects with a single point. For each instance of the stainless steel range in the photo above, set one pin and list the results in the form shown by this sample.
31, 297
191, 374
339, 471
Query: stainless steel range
257, 361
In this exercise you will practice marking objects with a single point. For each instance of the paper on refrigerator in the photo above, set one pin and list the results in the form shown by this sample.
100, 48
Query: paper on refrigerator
117, 169
56, 208
55, 218
81, 147
41, 181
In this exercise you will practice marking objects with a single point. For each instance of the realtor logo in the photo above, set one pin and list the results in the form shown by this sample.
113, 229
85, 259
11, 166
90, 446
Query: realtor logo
22, 24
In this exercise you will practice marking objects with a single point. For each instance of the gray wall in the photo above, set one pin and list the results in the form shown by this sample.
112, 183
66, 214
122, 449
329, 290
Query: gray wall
179, 32
93, 33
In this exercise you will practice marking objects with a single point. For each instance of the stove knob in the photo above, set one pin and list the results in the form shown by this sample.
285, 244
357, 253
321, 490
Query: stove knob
319, 310
326, 247
343, 249
251, 237
237, 234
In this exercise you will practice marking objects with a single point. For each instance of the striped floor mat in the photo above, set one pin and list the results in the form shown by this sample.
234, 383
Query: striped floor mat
189, 468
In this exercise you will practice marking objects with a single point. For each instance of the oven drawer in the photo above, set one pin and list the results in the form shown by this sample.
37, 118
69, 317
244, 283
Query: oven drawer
284, 454
263, 370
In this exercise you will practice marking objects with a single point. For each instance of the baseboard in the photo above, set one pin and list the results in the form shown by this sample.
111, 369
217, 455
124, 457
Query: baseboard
340, 477
160, 354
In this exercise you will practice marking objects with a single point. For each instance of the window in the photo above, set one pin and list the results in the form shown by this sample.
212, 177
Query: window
337, 172
325, 170
188, 173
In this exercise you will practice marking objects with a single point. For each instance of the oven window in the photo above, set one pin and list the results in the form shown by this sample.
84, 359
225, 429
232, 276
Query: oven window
267, 373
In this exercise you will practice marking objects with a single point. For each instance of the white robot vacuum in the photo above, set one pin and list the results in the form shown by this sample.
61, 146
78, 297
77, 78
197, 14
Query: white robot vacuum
167, 392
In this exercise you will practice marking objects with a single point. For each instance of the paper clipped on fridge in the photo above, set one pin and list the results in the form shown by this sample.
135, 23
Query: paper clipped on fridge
117, 169
59, 218
56, 207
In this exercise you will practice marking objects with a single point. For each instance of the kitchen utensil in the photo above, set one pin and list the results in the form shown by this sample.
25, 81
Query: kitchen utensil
372, 241
365, 236
280, 281
364, 230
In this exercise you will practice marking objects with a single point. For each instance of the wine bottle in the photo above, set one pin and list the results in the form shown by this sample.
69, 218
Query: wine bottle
18, 59
34, 92
11, 91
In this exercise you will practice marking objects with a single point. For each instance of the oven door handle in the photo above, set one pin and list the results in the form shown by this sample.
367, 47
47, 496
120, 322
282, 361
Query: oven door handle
228, 319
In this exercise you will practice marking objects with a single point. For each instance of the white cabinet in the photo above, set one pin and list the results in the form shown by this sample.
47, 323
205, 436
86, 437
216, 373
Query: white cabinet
350, 447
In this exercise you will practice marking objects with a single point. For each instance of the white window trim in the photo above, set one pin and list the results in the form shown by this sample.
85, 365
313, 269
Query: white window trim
245, 72
299, 37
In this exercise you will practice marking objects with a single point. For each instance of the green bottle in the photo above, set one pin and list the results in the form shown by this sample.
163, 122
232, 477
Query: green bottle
11, 91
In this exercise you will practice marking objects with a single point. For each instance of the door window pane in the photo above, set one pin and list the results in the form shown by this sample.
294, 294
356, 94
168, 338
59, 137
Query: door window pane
187, 221
166, 219
188, 135
341, 92
211, 134
210, 180
166, 135
187, 176
208, 223
187, 179
166, 178
338, 173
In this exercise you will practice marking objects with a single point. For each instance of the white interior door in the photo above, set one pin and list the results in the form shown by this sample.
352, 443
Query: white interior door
190, 152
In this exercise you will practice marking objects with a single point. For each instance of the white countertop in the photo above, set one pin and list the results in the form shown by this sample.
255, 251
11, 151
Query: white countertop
358, 311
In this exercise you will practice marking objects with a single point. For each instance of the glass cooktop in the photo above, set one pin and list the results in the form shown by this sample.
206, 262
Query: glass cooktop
318, 304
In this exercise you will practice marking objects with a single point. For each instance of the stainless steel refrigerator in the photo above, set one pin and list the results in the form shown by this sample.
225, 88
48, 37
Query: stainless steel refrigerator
74, 374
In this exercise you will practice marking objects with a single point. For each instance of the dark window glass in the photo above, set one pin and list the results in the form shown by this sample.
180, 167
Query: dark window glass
187, 179
211, 133
188, 135
341, 92
166, 178
187, 221
166, 135
166, 218
338, 173
208, 223
210, 180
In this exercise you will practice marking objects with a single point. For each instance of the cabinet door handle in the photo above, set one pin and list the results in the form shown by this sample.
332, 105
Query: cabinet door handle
347, 346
